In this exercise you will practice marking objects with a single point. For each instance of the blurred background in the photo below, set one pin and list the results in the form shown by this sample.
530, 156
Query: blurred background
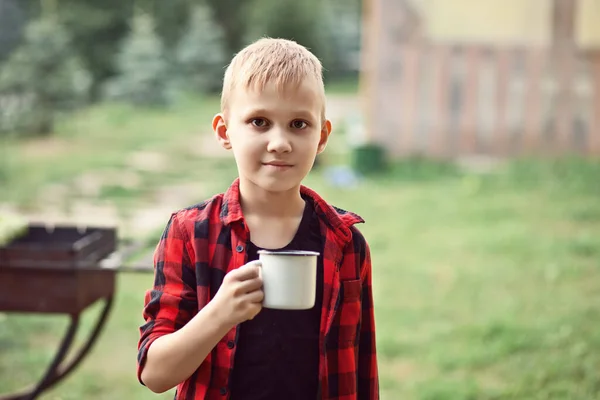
466, 133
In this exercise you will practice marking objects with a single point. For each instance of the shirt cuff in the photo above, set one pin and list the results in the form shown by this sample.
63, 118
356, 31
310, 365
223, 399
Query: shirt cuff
143, 354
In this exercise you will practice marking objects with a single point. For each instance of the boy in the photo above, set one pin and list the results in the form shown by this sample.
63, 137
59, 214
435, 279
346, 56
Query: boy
205, 329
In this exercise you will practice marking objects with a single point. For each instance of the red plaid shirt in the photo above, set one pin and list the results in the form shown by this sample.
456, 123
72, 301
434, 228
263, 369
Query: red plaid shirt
202, 243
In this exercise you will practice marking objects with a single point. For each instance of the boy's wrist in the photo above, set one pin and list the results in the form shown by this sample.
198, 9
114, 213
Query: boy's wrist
218, 318
208, 326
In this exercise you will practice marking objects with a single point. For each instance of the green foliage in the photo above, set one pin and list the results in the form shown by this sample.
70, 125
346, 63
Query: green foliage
369, 159
232, 16
12, 20
200, 54
143, 69
41, 78
96, 28
301, 21
12, 226
343, 28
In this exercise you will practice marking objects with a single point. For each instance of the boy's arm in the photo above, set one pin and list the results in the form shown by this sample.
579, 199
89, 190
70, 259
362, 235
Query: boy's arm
368, 375
176, 338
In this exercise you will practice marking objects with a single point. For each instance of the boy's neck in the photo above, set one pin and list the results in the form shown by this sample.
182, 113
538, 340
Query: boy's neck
256, 201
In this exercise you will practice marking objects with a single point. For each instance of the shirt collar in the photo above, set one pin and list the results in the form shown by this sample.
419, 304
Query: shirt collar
338, 220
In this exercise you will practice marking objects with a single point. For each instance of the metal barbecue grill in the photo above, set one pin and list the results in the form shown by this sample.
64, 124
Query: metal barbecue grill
63, 270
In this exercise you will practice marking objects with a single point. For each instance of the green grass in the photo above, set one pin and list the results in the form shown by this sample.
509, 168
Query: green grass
486, 287
102, 139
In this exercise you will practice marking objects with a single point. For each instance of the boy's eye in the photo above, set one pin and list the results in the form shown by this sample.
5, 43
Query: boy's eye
259, 122
298, 124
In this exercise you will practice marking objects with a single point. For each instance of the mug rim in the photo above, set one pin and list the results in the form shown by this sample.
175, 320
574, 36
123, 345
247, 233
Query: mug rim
289, 252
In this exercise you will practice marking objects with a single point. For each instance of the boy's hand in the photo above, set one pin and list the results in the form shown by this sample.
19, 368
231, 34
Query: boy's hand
240, 296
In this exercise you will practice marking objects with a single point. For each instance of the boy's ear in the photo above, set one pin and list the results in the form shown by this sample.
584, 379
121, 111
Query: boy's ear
220, 129
325, 132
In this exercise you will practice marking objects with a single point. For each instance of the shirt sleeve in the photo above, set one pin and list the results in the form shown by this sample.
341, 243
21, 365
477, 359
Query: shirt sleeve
172, 301
368, 375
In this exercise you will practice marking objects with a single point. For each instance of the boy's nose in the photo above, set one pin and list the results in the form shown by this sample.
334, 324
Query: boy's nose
278, 142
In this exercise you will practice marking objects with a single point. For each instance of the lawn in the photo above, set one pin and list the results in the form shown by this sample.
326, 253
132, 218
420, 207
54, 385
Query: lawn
487, 286
102, 139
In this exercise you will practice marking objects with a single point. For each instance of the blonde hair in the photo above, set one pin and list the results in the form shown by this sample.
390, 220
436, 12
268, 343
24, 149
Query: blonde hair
280, 61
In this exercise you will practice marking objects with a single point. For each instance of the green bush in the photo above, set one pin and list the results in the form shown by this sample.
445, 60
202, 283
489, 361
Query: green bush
200, 55
368, 159
302, 21
143, 69
41, 78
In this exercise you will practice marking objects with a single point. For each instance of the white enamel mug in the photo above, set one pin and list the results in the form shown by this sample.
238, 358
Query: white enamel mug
289, 279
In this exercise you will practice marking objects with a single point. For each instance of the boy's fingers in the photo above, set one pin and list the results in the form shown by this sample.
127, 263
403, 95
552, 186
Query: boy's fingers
250, 285
248, 271
256, 296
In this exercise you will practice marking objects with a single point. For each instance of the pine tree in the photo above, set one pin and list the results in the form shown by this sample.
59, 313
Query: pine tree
302, 21
12, 21
142, 66
41, 78
341, 24
200, 55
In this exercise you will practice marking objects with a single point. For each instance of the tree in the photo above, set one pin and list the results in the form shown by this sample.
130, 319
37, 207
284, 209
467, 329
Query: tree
342, 19
12, 21
42, 77
301, 21
96, 29
200, 54
142, 67
232, 16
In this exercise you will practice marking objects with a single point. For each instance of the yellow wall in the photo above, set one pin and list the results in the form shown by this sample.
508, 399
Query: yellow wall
508, 21
588, 33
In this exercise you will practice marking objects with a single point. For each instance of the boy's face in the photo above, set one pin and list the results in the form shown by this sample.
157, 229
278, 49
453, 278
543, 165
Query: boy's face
274, 136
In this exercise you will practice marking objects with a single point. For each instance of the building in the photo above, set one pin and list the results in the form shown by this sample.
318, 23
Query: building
500, 77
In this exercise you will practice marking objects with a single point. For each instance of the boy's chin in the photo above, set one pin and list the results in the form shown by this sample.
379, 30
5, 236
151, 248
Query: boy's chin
276, 185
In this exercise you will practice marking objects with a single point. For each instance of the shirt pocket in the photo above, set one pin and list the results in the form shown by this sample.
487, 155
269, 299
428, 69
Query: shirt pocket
349, 314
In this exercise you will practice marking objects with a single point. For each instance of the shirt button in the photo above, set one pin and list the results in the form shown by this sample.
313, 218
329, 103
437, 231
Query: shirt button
231, 344
223, 391
239, 248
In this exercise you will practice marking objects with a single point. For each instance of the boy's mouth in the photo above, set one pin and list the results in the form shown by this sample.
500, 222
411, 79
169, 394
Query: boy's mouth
278, 164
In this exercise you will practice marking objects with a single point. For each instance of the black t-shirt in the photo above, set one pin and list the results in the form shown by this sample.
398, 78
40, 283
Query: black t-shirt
277, 354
